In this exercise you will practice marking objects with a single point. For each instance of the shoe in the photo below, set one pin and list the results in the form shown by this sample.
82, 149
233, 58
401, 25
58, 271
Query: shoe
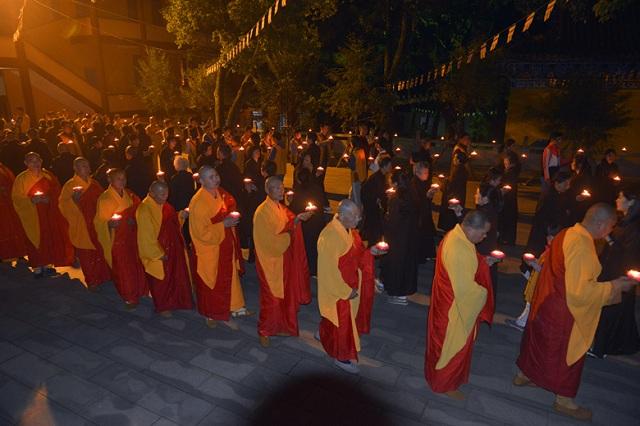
514, 323
50, 272
316, 335
264, 341
398, 300
347, 366
456, 395
520, 381
242, 312
166, 314
379, 286
232, 325
592, 354
578, 413
211, 323
130, 306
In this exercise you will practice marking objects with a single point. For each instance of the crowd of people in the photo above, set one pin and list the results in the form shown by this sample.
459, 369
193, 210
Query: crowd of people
176, 211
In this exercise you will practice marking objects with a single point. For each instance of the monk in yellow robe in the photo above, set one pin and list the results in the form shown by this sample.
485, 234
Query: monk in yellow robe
12, 237
461, 297
162, 251
565, 311
345, 267
35, 195
217, 259
116, 228
281, 264
78, 202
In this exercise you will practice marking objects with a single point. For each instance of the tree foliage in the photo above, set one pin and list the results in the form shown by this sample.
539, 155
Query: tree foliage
158, 86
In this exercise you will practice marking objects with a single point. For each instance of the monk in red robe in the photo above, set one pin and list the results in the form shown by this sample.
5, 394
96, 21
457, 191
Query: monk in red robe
12, 237
461, 297
217, 259
116, 228
281, 264
78, 201
345, 270
565, 311
162, 252
35, 196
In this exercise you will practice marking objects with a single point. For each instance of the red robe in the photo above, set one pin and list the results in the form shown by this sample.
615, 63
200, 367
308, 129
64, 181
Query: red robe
280, 316
174, 291
216, 303
94, 267
12, 238
456, 372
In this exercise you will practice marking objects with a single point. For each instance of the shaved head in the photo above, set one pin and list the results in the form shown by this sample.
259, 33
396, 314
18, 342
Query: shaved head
158, 186
274, 188
348, 213
82, 167
600, 220
347, 206
29, 155
159, 191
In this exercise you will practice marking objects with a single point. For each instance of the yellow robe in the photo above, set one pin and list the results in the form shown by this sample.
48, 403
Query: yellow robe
269, 220
461, 263
78, 232
206, 236
585, 295
109, 202
26, 210
149, 220
333, 243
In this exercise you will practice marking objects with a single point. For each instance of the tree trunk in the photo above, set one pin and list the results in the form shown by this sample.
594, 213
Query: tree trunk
218, 99
397, 56
233, 109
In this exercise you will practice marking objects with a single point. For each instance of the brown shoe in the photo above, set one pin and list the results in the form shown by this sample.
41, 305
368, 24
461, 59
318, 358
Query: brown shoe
130, 306
579, 413
211, 323
264, 341
456, 394
166, 314
521, 381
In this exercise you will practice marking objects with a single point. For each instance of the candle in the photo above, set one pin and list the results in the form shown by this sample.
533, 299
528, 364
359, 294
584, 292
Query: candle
398, 168
300, 147
176, 153
310, 130
345, 156
580, 151
633, 274
435, 186
382, 245
77, 188
390, 191
585, 193
441, 138
235, 215
474, 153
151, 147
441, 176
624, 149
395, 135
247, 180
186, 209
350, 132
330, 138
237, 125
529, 257
524, 156
320, 169
507, 187
160, 174
617, 178
371, 158
116, 216
310, 207
38, 193
289, 193
436, 155
454, 201
497, 254
241, 148
196, 175
493, 141
398, 149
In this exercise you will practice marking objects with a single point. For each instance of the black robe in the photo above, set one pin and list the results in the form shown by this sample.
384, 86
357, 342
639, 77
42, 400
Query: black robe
305, 193
399, 267
508, 219
374, 206
138, 177
62, 166
425, 228
606, 188
553, 210
231, 179
12, 155
617, 332
166, 163
492, 209
250, 202
181, 189
456, 187
580, 182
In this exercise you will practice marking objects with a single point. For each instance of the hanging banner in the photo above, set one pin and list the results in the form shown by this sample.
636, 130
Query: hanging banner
547, 13
494, 42
528, 22
512, 29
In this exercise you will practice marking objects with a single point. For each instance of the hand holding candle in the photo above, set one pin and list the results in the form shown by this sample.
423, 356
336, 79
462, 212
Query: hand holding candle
234, 215
634, 275
382, 246
528, 257
114, 222
506, 188
310, 207
454, 202
585, 193
497, 254
160, 175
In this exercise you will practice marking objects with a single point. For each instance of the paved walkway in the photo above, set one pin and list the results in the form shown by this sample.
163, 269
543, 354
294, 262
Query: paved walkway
70, 357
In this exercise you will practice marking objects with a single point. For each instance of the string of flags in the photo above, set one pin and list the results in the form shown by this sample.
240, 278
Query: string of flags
489, 45
245, 40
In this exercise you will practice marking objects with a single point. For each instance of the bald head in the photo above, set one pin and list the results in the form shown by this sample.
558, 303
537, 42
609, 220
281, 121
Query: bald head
274, 188
348, 213
82, 167
209, 178
33, 161
159, 191
600, 220
475, 226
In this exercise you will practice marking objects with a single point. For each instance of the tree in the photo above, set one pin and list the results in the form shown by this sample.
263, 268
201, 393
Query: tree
159, 83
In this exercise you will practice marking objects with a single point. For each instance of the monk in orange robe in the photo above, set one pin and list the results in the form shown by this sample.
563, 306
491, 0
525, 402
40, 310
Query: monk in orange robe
281, 264
461, 297
345, 268
35, 195
78, 201
12, 237
217, 260
161, 249
116, 228
565, 311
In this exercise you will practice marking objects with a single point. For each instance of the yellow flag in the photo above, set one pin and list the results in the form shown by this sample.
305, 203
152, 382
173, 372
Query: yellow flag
494, 43
483, 50
528, 22
283, 3
275, 7
547, 13
512, 29
269, 16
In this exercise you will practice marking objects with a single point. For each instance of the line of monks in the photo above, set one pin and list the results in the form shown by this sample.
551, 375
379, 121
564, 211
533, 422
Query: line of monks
139, 245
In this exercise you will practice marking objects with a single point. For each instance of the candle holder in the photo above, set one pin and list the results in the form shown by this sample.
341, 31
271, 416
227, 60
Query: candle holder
310, 207
116, 217
454, 201
390, 191
38, 193
247, 180
617, 178
77, 188
435, 186
634, 275
235, 215
585, 193
382, 246
507, 187
497, 254
529, 257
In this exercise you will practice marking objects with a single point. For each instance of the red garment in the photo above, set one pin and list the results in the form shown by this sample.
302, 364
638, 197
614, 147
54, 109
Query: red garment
128, 272
456, 372
12, 237
215, 303
174, 291
94, 266
544, 345
55, 247
338, 341
281, 315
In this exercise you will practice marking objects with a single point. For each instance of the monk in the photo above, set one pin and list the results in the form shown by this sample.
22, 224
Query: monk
345, 270
115, 225
12, 238
217, 260
78, 201
162, 251
35, 195
565, 311
461, 297
281, 264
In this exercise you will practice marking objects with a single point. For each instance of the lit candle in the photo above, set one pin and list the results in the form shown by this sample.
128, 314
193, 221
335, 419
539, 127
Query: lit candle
633, 274
493, 141
289, 193
624, 149
441, 176
617, 178
580, 151
300, 147
160, 174
382, 245
235, 215
241, 148
77, 188
320, 169
585, 193
507, 187
116, 139
196, 176
176, 153
38, 193
397, 167
310, 207
350, 132
398, 149
116, 216
436, 155
310, 130
247, 180
454, 201
524, 156
345, 156
529, 257
390, 191
371, 158
441, 138
151, 147
474, 153
237, 125
497, 254
186, 209
330, 138
435, 186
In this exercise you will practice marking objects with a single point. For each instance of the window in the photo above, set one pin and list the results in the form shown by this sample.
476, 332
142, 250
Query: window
132, 9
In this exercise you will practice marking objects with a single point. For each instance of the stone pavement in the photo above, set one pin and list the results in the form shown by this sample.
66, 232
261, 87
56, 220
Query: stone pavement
70, 357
